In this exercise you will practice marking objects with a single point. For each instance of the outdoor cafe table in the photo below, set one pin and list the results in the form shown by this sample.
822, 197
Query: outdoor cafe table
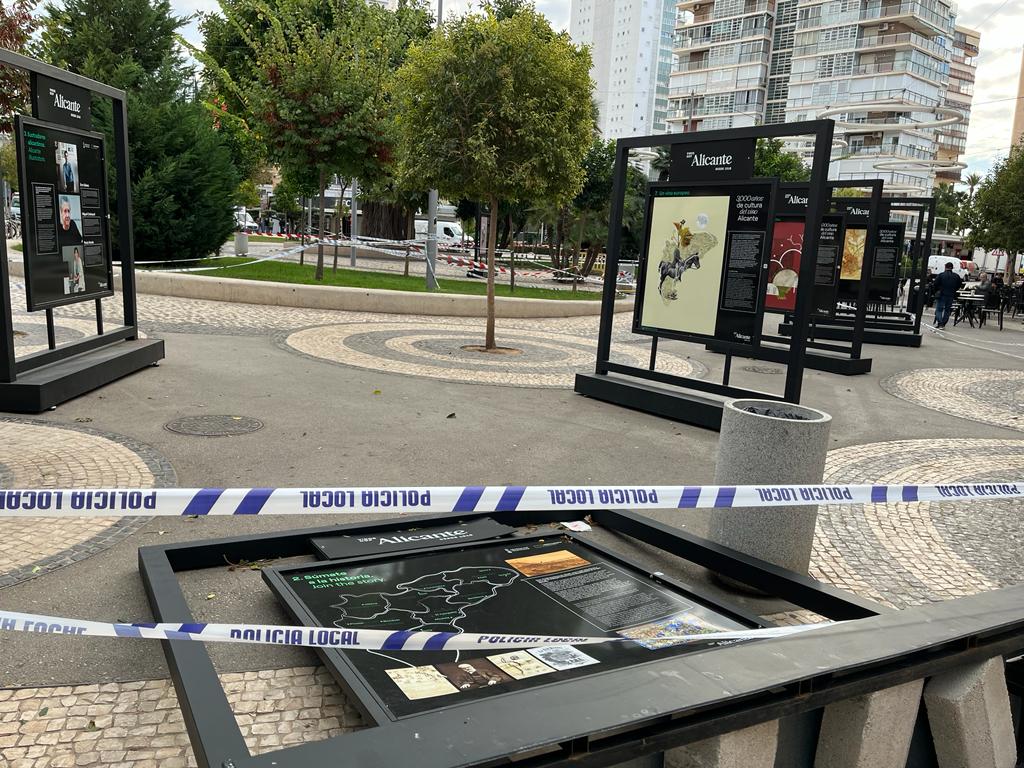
969, 305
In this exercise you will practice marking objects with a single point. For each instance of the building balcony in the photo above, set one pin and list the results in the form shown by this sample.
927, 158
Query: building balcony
709, 62
706, 14
888, 150
874, 42
914, 14
880, 68
898, 96
689, 41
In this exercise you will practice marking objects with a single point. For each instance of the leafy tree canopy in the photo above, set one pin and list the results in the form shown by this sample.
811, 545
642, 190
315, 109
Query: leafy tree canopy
999, 205
771, 160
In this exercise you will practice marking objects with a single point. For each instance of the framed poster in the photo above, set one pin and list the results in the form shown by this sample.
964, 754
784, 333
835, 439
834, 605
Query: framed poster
702, 267
65, 228
855, 239
531, 585
885, 270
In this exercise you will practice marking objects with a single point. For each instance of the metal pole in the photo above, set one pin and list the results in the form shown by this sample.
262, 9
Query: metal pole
432, 209
355, 220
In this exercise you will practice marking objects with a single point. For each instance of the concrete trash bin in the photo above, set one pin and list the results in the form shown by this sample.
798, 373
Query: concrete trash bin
241, 243
770, 442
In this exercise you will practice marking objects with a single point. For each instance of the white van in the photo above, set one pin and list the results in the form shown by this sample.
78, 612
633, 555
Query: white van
244, 222
447, 231
937, 264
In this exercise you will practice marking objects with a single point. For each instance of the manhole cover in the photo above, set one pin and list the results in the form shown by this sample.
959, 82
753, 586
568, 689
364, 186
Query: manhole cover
765, 369
214, 426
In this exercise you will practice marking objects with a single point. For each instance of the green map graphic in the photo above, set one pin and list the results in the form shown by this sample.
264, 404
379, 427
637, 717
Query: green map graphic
434, 602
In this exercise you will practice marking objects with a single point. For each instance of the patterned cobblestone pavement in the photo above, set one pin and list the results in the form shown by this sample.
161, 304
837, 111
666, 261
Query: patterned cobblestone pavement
139, 725
910, 553
38, 454
989, 395
542, 358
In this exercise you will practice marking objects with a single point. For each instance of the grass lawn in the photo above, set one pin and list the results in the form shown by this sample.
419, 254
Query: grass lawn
15, 246
284, 272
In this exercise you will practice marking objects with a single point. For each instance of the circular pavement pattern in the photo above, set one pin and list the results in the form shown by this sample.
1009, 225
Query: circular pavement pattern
38, 454
30, 331
209, 425
990, 395
547, 359
915, 552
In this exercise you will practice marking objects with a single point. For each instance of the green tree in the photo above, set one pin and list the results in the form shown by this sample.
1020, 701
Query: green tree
495, 106
316, 90
17, 24
999, 208
771, 160
183, 181
951, 206
972, 181
593, 201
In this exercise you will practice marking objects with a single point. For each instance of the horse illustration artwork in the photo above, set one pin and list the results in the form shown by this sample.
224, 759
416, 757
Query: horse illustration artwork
682, 253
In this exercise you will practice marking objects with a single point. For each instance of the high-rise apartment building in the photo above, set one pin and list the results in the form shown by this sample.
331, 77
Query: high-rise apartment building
885, 64
631, 44
1018, 112
963, 69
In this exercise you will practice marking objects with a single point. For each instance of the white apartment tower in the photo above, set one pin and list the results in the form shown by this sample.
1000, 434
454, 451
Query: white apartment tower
883, 64
631, 43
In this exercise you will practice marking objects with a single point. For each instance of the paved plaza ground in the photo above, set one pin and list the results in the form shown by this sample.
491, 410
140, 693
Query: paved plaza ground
340, 398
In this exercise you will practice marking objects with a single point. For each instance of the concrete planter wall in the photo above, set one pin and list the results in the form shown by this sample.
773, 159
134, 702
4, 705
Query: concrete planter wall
762, 442
349, 299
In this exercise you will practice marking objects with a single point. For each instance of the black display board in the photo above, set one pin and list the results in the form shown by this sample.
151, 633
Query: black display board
62, 103
335, 547
534, 585
787, 249
885, 269
62, 175
702, 270
712, 160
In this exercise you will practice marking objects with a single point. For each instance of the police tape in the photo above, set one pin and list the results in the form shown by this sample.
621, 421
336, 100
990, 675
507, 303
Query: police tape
173, 502
339, 637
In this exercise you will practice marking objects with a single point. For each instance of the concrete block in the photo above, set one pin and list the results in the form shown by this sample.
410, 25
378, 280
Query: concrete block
769, 442
870, 731
969, 714
752, 747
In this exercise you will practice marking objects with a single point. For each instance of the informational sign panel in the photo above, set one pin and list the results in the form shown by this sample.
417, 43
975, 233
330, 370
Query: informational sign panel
526, 586
702, 270
62, 103
885, 270
62, 173
712, 161
787, 250
854, 243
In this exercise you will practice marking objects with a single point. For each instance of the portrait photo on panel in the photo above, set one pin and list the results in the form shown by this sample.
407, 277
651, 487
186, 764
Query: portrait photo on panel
69, 220
67, 168
75, 281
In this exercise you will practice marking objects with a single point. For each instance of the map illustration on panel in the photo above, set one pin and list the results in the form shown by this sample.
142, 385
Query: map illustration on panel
435, 602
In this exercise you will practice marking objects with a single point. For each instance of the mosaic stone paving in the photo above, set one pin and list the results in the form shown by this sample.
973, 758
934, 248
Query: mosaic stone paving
990, 395
545, 359
915, 552
37, 454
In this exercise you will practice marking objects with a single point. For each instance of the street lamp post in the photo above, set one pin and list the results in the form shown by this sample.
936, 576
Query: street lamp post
432, 210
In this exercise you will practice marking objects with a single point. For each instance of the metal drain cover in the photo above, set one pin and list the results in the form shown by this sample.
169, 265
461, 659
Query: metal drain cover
214, 426
765, 369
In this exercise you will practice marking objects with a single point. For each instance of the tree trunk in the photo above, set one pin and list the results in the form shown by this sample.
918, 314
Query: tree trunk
320, 240
576, 254
590, 258
492, 244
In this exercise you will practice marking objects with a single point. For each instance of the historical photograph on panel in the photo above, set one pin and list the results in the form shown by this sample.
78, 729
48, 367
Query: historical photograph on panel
473, 673
684, 263
520, 664
853, 254
549, 562
421, 682
562, 656
666, 632
784, 266
75, 281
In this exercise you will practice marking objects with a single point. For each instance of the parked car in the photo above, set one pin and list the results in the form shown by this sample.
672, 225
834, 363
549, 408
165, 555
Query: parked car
244, 222
937, 264
15, 209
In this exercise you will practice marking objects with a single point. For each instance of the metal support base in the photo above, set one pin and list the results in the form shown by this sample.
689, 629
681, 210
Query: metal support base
816, 361
890, 338
684, 406
50, 385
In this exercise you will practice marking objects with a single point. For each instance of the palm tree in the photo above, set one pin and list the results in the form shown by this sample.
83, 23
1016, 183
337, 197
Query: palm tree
972, 181
661, 163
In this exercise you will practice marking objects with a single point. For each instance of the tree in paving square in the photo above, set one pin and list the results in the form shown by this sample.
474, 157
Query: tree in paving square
495, 106
998, 208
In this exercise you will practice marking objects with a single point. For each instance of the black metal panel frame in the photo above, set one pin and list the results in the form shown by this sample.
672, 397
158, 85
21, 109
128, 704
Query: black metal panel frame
923, 206
613, 717
822, 131
10, 366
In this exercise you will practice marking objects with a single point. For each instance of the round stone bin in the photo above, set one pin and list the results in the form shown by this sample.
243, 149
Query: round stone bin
241, 243
769, 442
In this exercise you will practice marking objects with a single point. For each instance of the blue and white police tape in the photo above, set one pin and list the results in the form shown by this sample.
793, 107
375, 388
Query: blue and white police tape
466, 499
339, 637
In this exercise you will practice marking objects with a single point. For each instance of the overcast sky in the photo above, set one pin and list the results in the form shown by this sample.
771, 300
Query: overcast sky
1000, 22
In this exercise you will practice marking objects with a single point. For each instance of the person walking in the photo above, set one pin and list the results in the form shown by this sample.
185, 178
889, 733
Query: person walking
945, 287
